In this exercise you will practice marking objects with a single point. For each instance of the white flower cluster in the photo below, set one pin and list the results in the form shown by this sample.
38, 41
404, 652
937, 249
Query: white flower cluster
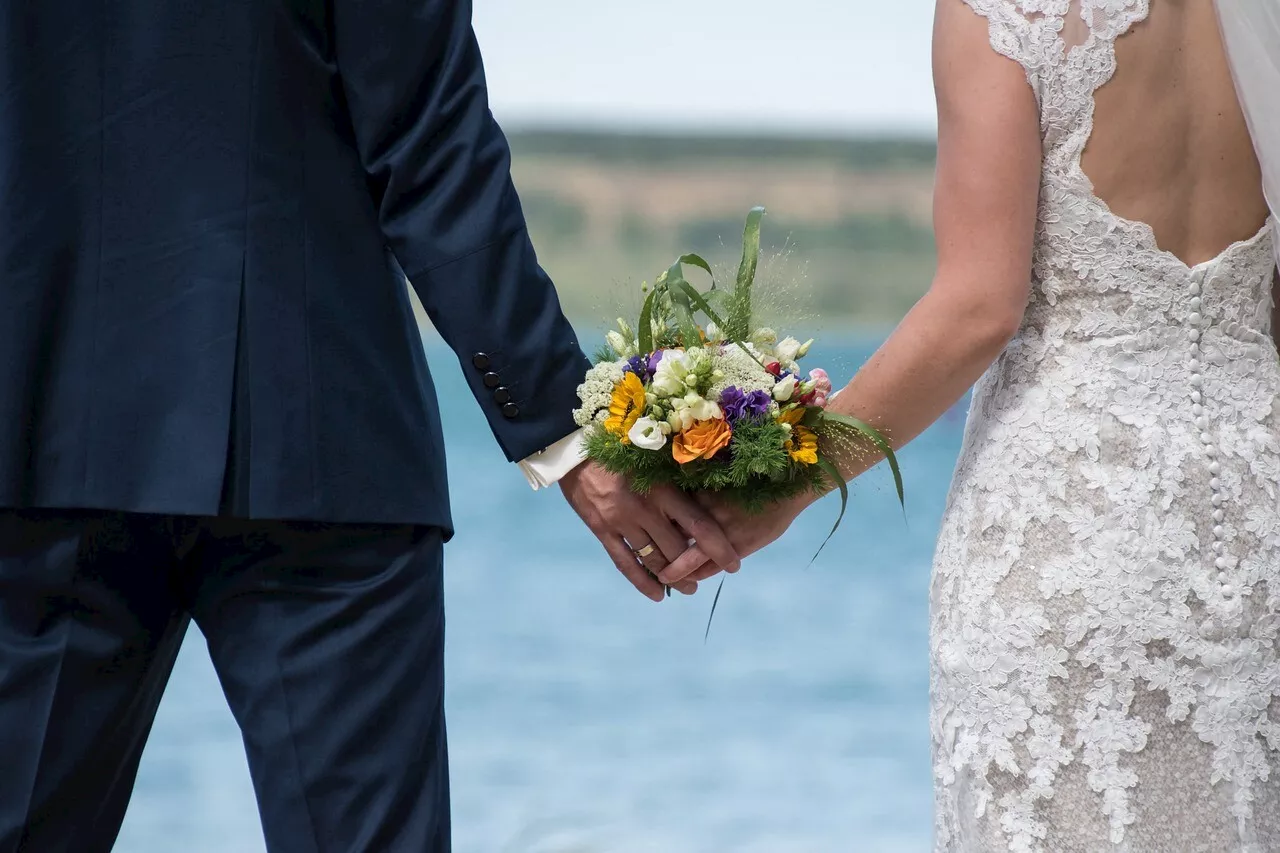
736, 368
596, 391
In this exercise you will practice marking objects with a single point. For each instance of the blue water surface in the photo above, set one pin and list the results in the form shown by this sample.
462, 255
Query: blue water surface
585, 719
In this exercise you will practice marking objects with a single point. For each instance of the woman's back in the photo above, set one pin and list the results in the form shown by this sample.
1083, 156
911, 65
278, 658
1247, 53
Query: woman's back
1170, 146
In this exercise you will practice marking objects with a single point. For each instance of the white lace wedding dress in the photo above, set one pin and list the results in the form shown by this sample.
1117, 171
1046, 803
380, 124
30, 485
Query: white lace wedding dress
1106, 593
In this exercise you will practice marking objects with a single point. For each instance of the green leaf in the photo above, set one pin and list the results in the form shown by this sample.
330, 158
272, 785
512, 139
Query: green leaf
679, 290
700, 263
701, 304
646, 323
740, 316
834, 475
694, 298
877, 438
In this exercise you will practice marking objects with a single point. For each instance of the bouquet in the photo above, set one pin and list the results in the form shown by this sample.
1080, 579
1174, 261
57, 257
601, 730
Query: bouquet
697, 395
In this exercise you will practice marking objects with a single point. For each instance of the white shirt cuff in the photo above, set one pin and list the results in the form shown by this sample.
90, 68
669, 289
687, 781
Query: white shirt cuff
549, 467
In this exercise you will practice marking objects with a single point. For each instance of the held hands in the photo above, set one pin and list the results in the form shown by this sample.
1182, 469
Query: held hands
645, 535
747, 533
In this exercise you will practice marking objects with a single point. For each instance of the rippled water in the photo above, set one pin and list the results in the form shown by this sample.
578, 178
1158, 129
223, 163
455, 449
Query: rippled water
584, 719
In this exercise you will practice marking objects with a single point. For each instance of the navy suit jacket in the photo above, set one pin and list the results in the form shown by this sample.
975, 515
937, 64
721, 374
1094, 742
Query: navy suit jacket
207, 209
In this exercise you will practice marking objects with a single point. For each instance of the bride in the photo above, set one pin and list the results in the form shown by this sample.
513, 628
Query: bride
1106, 591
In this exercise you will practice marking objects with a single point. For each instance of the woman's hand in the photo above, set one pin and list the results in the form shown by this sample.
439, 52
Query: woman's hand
747, 532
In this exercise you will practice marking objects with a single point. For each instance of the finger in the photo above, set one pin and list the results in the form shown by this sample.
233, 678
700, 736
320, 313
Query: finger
643, 548
686, 564
665, 535
704, 573
685, 587
701, 527
630, 567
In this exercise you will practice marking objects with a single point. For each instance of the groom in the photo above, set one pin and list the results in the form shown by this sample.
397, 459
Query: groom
214, 403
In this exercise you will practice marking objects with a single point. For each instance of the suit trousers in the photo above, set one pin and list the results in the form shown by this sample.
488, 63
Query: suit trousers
328, 641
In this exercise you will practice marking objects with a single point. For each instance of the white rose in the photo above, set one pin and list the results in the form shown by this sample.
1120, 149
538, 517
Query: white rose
783, 390
648, 434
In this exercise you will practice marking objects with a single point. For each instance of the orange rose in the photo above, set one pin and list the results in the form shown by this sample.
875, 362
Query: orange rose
701, 441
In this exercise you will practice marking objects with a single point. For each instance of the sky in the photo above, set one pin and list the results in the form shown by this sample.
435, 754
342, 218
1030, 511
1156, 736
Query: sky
779, 66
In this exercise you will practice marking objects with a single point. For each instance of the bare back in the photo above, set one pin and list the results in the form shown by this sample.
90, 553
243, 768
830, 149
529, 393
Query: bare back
1170, 146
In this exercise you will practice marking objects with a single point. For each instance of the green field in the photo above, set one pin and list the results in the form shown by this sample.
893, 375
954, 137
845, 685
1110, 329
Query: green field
848, 232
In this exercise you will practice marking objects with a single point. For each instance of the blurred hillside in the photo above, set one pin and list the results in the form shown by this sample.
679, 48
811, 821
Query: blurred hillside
850, 219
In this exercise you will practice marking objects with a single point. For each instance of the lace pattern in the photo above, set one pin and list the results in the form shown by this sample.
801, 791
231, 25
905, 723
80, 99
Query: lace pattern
1106, 592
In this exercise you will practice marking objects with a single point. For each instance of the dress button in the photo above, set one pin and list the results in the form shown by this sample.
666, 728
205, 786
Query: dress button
1195, 288
1206, 438
1215, 469
480, 361
1216, 500
1219, 515
1196, 381
1218, 532
1215, 484
1228, 591
1194, 365
492, 380
1195, 397
1195, 303
1222, 577
502, 396
1218, 548
1202, 422
1197, 410
1195, 319
511, 410
1220, 564
1194, 335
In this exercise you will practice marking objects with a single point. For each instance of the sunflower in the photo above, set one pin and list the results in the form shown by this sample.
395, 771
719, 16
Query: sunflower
626, 407
803, 445
792, 416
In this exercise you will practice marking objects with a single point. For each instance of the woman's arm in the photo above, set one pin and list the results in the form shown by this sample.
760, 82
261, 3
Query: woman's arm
985, 202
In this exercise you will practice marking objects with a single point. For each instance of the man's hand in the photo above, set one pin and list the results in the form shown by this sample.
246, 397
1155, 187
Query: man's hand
659, 527
748, 533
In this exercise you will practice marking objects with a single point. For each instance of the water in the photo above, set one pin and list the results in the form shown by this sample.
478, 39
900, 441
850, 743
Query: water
585, 719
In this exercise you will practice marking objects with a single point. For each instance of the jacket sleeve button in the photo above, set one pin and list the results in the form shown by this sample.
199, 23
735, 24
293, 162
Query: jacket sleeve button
492, 380
502, 396
510, 410
480, 361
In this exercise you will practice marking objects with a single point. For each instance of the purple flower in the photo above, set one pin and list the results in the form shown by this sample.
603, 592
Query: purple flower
654, 359
639, 365
738, 405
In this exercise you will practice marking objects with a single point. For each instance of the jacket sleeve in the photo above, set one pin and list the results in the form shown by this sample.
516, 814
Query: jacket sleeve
439, 168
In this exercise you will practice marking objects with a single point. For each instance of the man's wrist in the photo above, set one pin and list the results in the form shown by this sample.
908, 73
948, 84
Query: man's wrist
551, 465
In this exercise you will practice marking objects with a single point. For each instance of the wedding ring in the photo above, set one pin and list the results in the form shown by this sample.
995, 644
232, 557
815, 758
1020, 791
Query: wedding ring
645, 551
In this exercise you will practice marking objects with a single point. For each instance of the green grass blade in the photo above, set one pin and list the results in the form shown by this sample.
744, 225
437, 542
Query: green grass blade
694, 298
646, 323
699, 262
741, 314
834, 475
679, 289
712, 615
877, 438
